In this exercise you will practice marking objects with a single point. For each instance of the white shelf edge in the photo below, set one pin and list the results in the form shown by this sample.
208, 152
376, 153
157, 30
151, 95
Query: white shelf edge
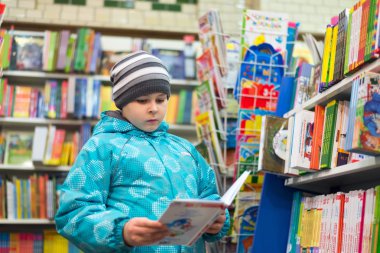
43, 121
14, 167
334, 90
182, 127
73, 122
26, 222
41, 74
368, 164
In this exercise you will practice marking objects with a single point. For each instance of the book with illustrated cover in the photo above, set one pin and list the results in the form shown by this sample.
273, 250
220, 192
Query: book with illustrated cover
173, 59
206, 71
207, 101
27, 51
212, 38
207, 132
188, 219
264, 27
18, 149
274, 132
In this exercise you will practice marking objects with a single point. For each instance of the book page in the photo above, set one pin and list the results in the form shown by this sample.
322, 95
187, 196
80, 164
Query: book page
230, 194
188, 219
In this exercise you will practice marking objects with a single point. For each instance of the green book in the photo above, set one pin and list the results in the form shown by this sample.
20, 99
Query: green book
5, 51
328, 134
370, 26
81, 50
348, 40
52, 51
375, 248
70, 52
181, 106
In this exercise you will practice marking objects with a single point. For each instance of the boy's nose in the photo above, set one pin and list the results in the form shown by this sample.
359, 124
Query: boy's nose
153, 107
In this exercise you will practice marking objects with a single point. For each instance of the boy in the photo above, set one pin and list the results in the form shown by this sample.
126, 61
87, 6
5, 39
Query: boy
131, 169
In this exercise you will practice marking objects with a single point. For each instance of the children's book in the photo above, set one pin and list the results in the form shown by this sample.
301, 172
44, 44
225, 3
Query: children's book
27, 51
274, 133
188, 219
19, 147
264, 27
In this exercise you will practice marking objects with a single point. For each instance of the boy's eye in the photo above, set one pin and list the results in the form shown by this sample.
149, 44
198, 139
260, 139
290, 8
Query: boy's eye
160, 100
142, 101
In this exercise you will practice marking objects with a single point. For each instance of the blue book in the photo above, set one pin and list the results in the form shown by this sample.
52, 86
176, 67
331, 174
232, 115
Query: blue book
285, 103
173, 59
188, 106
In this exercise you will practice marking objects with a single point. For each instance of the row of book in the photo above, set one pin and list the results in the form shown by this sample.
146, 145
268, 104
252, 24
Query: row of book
182, 107
80, 52
46, 241
327, 137
350, 40
338, 222
34, 197
47, 145
51, 50
59, 99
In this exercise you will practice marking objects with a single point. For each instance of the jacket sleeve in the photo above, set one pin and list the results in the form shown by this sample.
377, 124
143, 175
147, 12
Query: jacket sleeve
83, 216
208, 190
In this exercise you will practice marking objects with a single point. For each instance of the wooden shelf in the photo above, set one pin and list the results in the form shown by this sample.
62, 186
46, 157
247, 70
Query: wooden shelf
26, 222
341, 90
10, 121
114, 31
363, 174
52, 75
22, 168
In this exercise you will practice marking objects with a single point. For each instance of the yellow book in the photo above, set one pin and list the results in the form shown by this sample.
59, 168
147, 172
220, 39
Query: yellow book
326, 55
65, 154
171, 114
22, 101
106, 102
333, 53
18, 197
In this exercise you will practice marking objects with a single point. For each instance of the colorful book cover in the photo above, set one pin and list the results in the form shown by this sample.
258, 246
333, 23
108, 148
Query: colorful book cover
18, 147
273, 140
328, 134
188, 219
302, 140
207, 101
27, 51
212, 38
319, 117
206, 131
173, 59
366, 137
264, 27
206, 71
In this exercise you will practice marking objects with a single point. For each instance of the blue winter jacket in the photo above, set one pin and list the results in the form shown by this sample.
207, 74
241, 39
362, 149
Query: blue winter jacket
123, 172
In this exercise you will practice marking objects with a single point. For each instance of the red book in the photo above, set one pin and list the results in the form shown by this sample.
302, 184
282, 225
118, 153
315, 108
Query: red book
64, 88
42, 193
319, 117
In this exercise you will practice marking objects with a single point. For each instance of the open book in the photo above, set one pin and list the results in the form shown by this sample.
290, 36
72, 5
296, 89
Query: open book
188, 219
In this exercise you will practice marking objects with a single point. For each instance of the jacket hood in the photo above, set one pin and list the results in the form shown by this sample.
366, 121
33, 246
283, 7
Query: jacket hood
114, 122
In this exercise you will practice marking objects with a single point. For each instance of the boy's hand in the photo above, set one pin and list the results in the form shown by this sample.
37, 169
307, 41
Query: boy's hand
142, 231
217, 225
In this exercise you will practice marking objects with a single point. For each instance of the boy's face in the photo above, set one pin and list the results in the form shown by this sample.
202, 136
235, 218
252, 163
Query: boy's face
147, 112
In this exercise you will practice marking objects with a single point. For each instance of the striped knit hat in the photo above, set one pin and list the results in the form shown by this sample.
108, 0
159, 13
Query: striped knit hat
138, 74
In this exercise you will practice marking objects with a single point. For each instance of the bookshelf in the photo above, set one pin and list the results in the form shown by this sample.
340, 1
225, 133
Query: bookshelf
19, 75
27, 222
347, 177
341, 90
18, 168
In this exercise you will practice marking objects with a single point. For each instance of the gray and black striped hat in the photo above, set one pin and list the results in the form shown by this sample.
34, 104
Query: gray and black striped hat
138, 74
